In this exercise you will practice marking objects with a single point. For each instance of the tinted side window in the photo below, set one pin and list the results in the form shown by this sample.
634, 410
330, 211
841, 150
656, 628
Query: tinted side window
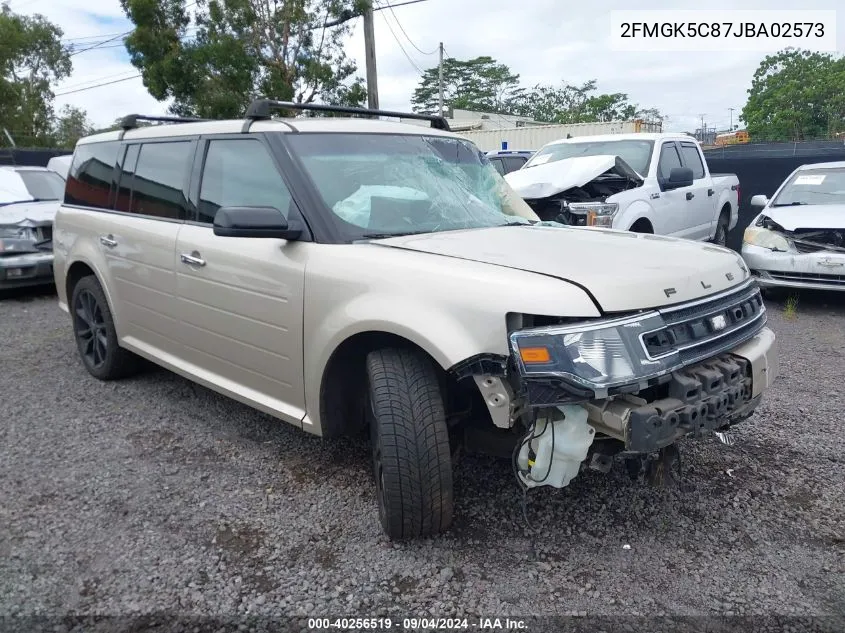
159, 184
240, 173
124, 185
669, 159
512, 163
498, 164
692, 159
90, 176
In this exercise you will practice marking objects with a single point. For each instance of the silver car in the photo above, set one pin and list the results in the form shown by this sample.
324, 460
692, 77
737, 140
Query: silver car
29, 199
798, 238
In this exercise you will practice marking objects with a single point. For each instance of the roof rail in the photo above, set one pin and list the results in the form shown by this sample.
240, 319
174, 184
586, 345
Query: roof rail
263, 108
130, 121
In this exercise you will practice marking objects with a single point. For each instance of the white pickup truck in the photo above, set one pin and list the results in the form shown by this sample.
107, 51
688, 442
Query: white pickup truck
647, 183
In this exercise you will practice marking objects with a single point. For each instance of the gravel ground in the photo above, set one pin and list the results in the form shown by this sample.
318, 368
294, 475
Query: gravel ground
155, 495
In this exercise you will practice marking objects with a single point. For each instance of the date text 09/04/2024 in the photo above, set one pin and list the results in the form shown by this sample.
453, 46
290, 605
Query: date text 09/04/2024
414, 624
798, 30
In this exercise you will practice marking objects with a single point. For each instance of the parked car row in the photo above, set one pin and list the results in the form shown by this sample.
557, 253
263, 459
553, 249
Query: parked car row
346, 275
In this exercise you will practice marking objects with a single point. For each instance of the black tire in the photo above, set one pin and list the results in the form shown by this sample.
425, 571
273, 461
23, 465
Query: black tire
410, 439
721, 237
96, 338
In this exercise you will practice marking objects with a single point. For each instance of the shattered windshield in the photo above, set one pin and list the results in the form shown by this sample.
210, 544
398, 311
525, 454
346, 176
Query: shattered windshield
388, 184
813, 186
636, 153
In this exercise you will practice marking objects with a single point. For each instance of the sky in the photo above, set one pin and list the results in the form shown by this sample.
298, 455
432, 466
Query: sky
544, 41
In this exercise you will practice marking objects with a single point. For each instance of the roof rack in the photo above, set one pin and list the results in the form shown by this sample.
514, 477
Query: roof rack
262, 109
130, 121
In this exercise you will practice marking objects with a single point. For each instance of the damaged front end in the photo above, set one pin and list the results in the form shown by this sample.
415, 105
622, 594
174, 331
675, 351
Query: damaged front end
575, 191
580, 395
26, 253
798, 257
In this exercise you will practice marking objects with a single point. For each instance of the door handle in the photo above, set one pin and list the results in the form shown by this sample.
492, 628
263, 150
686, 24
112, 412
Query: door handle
690, 195
710, 192
192, 259
108, 240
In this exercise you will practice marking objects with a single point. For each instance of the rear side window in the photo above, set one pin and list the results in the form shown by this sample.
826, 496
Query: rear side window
90, 176
159, 181
669, 159
240, 173
692, 159
512, 163
499, 164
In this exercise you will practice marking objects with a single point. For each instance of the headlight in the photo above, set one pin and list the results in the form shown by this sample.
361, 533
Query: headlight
598, 213
16, 238
598, 355
14, 232
764, 238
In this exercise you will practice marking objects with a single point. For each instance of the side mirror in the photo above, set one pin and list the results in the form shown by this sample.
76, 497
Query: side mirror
679, 177
759, 200
253, 222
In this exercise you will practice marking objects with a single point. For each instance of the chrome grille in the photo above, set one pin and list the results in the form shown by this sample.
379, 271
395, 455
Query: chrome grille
701, 329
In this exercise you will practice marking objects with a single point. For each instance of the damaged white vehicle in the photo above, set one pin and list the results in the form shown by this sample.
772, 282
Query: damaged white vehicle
798, 239
646, 183
29, 199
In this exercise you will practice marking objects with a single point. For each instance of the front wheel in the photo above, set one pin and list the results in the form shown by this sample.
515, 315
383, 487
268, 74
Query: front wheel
410, 440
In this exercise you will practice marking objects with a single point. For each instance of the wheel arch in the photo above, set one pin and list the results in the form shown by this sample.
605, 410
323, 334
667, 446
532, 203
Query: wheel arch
343, 380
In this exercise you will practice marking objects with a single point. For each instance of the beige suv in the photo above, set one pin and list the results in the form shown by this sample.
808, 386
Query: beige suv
348, 274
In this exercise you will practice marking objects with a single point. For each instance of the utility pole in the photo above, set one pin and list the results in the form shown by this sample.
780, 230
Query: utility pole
440, 75
702, 128
732, 118
370, 55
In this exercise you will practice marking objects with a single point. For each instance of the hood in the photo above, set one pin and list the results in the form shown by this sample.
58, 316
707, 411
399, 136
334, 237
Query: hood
812, 216
29, 213
549, 179
623, 271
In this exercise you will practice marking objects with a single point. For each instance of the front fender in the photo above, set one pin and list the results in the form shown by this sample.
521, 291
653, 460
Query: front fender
637, 210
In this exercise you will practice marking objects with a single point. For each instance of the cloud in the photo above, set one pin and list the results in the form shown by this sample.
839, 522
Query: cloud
545, 41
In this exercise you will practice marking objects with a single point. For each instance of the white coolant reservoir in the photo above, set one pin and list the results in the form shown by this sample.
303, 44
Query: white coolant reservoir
560, 446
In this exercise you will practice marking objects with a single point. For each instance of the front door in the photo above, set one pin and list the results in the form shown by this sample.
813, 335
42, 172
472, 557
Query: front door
704, 204
240, 300
675, 207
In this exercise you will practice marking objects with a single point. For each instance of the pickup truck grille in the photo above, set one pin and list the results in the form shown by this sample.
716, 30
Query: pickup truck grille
702, 329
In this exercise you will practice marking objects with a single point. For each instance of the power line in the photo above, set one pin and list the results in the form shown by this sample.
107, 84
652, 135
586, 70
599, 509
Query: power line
107, 83
89, 81
401, 28
402, 48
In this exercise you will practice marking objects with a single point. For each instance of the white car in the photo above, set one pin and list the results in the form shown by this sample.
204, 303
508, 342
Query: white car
29, 199
798, 238
646, 183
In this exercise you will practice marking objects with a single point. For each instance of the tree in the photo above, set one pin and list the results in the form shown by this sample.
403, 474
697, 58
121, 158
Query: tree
214, 61
796, 95
71, 125
32, 58
481, 84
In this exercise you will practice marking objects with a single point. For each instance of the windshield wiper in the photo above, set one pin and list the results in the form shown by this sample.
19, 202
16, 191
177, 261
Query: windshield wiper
381, 236
790, 204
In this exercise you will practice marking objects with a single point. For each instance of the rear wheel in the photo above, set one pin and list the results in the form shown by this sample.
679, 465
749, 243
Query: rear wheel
96, 338
721, 237
410, 441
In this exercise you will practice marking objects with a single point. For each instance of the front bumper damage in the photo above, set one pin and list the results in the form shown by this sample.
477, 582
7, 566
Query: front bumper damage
710, 396
818, 270
26, 269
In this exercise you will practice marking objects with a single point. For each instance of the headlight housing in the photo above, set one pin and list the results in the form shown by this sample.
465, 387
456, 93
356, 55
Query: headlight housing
597, 355
16, 238
765, 238
598, 213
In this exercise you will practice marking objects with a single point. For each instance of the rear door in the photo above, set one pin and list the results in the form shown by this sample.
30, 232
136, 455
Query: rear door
675, 214
702, 209
240, 300
139, 242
